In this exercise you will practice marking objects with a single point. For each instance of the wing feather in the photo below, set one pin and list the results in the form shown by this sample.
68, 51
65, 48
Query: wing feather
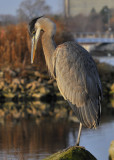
78, 80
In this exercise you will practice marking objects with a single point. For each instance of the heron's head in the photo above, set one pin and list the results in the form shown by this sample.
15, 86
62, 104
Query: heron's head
35, 27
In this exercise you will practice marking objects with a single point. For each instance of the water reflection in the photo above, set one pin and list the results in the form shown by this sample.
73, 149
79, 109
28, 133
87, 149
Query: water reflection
30, 140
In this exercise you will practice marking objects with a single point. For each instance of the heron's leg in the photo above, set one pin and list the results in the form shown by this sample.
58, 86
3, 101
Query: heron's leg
79, 133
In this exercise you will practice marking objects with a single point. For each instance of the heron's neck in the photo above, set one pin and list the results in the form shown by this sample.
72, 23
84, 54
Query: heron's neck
48, 48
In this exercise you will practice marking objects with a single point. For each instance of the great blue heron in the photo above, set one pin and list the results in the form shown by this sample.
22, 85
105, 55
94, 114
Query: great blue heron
74, 70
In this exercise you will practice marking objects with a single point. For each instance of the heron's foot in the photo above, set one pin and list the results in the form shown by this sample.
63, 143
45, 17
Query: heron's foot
73, 146
77, 144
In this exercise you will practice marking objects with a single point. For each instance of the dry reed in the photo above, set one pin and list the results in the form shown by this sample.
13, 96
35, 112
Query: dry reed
15, 44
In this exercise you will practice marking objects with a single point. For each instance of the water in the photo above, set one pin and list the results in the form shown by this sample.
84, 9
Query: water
34, 140
106, 59
31, 140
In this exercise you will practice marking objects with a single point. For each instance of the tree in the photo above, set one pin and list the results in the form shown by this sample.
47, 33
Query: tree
32, 8
106, 14
7, 19
93, 11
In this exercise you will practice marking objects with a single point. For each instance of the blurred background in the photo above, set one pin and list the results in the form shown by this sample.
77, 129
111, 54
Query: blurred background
35, 120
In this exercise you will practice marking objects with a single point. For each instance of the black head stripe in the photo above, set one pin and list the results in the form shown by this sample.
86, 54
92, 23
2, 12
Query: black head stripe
32, 24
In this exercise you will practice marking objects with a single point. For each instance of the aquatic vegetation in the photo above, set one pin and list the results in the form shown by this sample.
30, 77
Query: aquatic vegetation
72, 153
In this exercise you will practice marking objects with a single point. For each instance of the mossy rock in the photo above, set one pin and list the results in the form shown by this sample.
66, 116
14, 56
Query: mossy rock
72, 153
112, 89
111, 151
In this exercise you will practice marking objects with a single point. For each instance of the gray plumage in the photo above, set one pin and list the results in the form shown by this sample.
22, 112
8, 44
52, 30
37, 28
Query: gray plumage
78, 82
75, 72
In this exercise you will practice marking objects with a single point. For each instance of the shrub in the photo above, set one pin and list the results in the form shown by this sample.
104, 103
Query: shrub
15, 45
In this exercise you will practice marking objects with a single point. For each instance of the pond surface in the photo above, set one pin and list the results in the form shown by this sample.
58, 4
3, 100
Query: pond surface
106, 59
31, 140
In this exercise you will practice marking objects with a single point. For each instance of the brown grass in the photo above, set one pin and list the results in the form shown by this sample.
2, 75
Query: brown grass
15, 46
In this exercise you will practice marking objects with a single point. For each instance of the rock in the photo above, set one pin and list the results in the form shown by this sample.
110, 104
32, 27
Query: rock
61, 113
9, 95
112, 89
2, 84
51, 81
11, 72
43, 107
37, 95
22, 81
32, 85
15, 81
72, 153
44, 90
37, 74
13, 87
111, 151
8, 105
42, 76
73, 119
15, 113
21, 88
2, 113
1, 74
18, 70
112, 102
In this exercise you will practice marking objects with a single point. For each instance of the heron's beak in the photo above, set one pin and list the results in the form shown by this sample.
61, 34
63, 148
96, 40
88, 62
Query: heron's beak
35, 39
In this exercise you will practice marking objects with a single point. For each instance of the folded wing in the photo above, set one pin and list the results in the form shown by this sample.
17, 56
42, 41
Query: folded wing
78, 82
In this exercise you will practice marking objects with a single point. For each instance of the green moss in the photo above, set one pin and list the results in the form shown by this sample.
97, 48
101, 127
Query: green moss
72, 153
